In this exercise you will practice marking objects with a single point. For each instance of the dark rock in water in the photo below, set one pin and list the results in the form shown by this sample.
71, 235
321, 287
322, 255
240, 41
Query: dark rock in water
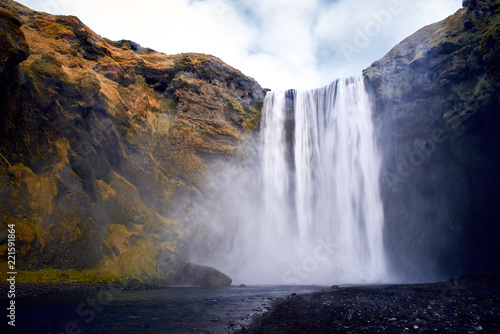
437, 112
178, 272
196, 275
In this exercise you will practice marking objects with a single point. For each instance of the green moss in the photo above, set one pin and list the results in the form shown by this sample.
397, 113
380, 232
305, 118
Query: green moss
141, 83
58, 31
182, 81
169, 105
235, 105
251, 123
55, 275
41, 188
47, 66
185, 63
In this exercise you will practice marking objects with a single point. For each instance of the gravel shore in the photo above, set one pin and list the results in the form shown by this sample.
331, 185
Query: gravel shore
470, 304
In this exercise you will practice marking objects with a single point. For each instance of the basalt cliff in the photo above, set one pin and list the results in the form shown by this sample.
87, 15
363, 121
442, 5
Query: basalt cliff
105, 145
437, 109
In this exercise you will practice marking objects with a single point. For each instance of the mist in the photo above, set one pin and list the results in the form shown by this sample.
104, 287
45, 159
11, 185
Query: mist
303, 205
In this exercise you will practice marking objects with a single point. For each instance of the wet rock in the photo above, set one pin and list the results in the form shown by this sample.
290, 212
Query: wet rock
178, 272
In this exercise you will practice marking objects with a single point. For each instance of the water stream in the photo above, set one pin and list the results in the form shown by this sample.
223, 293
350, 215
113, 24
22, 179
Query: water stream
323, 213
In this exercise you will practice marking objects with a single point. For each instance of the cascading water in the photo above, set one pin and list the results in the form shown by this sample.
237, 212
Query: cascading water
323, 216
309, 212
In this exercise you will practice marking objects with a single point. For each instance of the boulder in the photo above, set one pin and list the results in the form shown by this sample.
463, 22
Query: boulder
178, 272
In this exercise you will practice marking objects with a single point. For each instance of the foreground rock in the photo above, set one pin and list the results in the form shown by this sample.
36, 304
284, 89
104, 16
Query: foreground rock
470, 304
104, 147
178, 272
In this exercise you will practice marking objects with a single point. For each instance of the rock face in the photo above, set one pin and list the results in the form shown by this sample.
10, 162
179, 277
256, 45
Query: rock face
438, 114
105, 144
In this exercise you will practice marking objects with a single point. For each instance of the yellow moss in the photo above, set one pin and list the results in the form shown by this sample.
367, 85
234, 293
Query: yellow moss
251, 123
135, 260
41, 188
184, 159
141, 83
235, 105
59, 31
55, 275
105, 190
62, 147
118, 236
139, 261
109, 267
110, 92
40, 232
67, 229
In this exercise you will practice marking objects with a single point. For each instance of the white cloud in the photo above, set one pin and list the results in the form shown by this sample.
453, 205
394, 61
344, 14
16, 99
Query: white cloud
281, 43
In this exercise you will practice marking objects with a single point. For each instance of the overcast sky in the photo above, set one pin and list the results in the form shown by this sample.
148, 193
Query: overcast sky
281, 43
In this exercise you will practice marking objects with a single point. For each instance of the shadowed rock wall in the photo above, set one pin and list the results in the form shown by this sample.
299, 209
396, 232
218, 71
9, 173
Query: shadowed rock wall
438, 115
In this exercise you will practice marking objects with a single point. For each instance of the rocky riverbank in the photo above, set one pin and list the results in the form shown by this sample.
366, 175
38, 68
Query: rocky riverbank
469, 304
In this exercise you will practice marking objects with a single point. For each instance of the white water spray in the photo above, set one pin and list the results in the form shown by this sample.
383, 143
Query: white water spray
311, 212
323, 214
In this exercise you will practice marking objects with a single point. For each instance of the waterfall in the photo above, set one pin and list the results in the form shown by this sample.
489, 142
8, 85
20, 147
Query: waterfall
322, 219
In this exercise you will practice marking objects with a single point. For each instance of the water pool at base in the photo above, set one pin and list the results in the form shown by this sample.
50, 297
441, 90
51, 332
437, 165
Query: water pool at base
172, 310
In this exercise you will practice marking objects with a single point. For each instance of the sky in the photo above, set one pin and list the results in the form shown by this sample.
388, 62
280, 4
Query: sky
281, 43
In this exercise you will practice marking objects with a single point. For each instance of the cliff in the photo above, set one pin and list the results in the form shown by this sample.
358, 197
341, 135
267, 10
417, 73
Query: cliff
103, 147
438, 115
